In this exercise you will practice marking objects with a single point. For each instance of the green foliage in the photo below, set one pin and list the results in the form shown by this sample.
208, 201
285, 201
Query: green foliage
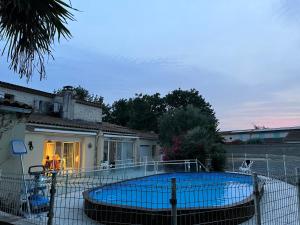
218, 157
254, 141
143, 111
30, 28
182, 98
120, 112
178, 122
190, 132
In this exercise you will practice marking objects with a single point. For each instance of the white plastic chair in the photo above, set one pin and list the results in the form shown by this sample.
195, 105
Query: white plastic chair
105, 165
246, 166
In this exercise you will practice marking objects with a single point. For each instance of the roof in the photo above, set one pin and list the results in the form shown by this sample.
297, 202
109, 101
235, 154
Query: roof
14, 106
94, 104
260, 130
41, 119
293, 136
25, 89
41, 93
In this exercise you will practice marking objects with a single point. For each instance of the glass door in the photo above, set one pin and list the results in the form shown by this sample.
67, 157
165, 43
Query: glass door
68, 159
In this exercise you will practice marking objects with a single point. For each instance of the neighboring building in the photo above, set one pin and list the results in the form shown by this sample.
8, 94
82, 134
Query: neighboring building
264, 135
70, 130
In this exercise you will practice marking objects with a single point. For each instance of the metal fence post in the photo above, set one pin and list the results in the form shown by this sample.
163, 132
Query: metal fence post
67, 181
233, 169
298, 191
52, 198
156, 167
284, 165
146, 162
268, 168
173, 202
256, 199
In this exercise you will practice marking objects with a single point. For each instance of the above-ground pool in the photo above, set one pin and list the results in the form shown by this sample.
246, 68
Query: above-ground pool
201, 198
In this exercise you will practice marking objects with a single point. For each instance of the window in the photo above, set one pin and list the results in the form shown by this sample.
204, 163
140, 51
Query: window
118, 151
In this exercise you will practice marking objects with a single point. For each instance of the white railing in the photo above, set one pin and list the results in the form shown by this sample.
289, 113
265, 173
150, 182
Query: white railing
148, 167
265, 164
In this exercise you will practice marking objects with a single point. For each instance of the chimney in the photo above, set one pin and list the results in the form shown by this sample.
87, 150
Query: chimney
68, 102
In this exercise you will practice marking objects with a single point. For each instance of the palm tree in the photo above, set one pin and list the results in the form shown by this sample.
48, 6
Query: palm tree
29, 29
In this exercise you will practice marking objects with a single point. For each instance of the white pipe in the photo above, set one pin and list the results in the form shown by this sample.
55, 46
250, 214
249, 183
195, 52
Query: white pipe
120, 136
65, 131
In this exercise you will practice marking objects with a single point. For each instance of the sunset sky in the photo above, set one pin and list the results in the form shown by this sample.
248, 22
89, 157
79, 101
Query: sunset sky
243, 56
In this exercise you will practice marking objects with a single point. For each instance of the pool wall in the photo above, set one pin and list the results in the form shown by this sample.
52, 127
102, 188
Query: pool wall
116, 214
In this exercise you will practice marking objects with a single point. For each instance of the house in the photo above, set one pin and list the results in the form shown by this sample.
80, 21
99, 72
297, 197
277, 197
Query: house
13, 117
71, 132
263, 135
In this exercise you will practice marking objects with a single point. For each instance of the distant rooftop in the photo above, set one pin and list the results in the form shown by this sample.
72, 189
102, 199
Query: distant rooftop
260, 130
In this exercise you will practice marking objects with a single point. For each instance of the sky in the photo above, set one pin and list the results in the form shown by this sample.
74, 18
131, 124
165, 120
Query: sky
243, 56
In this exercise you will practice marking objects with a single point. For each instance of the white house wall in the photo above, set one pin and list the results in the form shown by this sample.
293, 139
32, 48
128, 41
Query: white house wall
87, 113
35, 156
9, 163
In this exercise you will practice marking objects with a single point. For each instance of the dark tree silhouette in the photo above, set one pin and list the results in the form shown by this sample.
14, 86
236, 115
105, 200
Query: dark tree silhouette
29, 29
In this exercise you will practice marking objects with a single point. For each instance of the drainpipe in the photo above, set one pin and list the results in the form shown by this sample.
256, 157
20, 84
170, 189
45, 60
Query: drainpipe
97, 138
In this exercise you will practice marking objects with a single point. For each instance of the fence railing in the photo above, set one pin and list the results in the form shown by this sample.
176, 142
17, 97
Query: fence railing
280, 166
151, 193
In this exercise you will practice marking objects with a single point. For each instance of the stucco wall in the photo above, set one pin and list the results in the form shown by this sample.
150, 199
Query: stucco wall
9, 163
150, 143
35, 156
88, 113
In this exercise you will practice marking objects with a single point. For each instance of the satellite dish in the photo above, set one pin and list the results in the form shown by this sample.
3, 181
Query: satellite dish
18, 147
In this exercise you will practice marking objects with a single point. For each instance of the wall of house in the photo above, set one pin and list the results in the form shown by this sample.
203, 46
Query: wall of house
147, 145
88, 113
9, 163
88, 152
35, 156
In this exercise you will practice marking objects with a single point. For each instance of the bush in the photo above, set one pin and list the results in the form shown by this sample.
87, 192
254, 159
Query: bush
189, 134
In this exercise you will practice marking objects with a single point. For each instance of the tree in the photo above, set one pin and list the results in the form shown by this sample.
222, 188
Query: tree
120, 112
145, 111
30, 28
191, 132
182, 98
141, 112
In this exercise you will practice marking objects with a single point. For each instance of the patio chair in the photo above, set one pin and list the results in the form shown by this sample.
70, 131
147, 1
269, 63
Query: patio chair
246, 166
105, 165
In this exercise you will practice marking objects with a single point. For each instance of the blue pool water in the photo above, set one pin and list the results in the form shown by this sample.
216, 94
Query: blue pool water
194, 190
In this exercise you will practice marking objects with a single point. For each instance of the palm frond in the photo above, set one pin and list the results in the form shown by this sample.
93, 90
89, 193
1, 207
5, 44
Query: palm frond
30, 28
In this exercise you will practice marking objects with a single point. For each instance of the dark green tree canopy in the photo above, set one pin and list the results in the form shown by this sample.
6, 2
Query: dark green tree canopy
143, 111
30, 28
190, 132
181, 121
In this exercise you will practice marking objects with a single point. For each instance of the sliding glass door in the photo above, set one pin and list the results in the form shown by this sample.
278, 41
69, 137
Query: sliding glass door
62, 155
118, 151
